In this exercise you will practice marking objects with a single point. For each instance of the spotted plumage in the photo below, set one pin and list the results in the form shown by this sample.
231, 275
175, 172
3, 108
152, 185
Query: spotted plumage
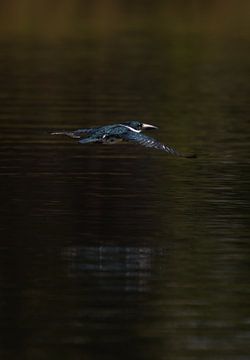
129, 131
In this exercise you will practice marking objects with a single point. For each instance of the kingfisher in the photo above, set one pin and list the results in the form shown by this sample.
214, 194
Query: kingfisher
130, 131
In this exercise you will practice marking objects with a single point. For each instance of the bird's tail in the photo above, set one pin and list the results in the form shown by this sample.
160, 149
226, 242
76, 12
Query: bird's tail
73, 134
67, 133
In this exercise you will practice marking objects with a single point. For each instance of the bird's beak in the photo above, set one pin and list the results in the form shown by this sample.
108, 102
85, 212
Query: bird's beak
148, 127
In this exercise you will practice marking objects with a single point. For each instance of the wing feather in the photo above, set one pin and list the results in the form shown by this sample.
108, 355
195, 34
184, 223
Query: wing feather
89, 140
152, 143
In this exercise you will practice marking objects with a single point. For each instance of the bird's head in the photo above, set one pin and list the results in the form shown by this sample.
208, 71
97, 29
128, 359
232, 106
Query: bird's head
137, 125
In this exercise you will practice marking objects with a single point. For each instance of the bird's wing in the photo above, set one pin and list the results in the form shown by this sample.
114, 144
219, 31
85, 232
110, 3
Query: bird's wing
89, 140
152, 143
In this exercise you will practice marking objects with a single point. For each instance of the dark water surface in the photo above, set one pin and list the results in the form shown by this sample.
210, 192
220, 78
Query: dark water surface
113, 252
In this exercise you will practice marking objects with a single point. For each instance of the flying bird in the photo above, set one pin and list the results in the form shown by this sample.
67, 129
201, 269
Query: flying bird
130, 131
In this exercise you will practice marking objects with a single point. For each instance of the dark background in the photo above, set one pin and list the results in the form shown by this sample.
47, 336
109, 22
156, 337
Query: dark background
120, 251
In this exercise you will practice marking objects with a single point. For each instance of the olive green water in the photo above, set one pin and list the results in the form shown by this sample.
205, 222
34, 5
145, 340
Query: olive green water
111, 252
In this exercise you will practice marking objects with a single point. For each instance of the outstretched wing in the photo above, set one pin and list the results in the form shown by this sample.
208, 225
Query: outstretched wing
152, 143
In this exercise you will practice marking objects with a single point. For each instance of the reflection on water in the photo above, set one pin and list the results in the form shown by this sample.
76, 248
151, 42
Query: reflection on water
118, 269
108, 252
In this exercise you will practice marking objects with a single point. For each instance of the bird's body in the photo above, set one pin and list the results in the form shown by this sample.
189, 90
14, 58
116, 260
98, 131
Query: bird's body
128, 131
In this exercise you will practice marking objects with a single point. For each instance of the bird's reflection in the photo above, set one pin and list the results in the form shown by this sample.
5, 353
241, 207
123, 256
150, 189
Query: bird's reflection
118, 268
